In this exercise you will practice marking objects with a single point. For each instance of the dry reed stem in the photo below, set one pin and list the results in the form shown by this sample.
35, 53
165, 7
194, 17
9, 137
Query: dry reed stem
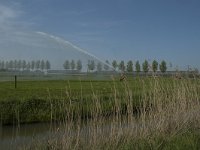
166, 110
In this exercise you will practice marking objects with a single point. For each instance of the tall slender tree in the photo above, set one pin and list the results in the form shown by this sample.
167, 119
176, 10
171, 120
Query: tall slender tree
42, 65
2, 65
19, 64
47, 65
91, 65
66, 65
79, 65
7, 65
154, 66
145, 66
15, 64
114, 64
73, 65
163, 66
23, 64
11, 64
37, 64
137, 66
33, 65
122, 66
130, 66
28, 66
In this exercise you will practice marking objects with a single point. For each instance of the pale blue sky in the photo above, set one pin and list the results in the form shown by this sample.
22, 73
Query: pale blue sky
115, 29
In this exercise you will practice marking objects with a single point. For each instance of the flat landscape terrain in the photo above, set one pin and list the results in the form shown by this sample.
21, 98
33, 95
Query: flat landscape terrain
149, 112
82, 92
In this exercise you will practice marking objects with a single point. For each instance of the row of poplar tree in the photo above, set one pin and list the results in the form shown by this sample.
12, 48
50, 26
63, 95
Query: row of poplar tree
73, 65
91, 66
77, 65
22, 65
120, 66
145, 66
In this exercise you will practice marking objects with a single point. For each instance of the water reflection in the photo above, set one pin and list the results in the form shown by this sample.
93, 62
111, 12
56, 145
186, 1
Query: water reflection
13, 137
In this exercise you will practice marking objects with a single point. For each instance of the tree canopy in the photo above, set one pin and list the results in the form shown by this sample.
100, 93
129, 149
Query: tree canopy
163, 66
154, 66
145, 66
137, 66
130, 66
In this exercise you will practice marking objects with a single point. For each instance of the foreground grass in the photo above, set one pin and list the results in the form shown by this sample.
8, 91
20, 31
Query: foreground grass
182, 141
141, 113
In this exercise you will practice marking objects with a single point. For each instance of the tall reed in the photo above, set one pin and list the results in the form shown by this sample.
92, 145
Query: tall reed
149, 116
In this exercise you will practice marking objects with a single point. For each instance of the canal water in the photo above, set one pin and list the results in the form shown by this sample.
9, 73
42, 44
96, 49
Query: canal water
14, 137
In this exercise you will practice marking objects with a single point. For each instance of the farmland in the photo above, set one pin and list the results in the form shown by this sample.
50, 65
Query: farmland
56, 91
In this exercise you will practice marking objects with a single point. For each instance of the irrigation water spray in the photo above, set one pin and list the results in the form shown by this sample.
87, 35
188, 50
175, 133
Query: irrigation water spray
65, 43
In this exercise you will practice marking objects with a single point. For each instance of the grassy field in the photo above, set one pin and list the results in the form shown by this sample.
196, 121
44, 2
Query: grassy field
140, 112
34, 98
56, 88
82, 95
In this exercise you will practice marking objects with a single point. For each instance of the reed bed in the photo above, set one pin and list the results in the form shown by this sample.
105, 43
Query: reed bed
158, 114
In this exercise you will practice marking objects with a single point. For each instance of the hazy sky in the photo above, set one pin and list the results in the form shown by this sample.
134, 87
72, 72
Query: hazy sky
114, 29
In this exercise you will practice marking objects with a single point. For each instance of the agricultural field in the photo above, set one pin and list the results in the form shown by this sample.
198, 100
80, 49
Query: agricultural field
56, 91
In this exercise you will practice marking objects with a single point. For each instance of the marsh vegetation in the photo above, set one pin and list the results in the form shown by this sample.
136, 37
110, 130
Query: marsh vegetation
138, 113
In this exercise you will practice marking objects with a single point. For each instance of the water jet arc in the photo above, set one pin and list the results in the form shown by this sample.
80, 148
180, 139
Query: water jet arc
65, 43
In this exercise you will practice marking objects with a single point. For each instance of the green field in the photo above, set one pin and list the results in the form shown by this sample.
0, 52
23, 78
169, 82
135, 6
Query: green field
82, 95
58, 88
40, 94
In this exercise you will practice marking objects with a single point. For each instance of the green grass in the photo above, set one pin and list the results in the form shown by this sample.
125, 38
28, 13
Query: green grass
42, 89
142, 113
185, 141
189, 140
34, 101
57, 88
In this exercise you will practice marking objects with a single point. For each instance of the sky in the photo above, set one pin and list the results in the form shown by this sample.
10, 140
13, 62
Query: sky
114, 29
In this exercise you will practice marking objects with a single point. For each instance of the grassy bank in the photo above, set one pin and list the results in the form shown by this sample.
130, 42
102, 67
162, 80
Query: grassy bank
168, 117
140, 113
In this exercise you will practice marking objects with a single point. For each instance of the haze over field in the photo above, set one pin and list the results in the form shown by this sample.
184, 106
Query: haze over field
114, 29
42, 46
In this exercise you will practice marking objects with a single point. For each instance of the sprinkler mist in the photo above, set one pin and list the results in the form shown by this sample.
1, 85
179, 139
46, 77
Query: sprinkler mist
63, 42
26, 52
